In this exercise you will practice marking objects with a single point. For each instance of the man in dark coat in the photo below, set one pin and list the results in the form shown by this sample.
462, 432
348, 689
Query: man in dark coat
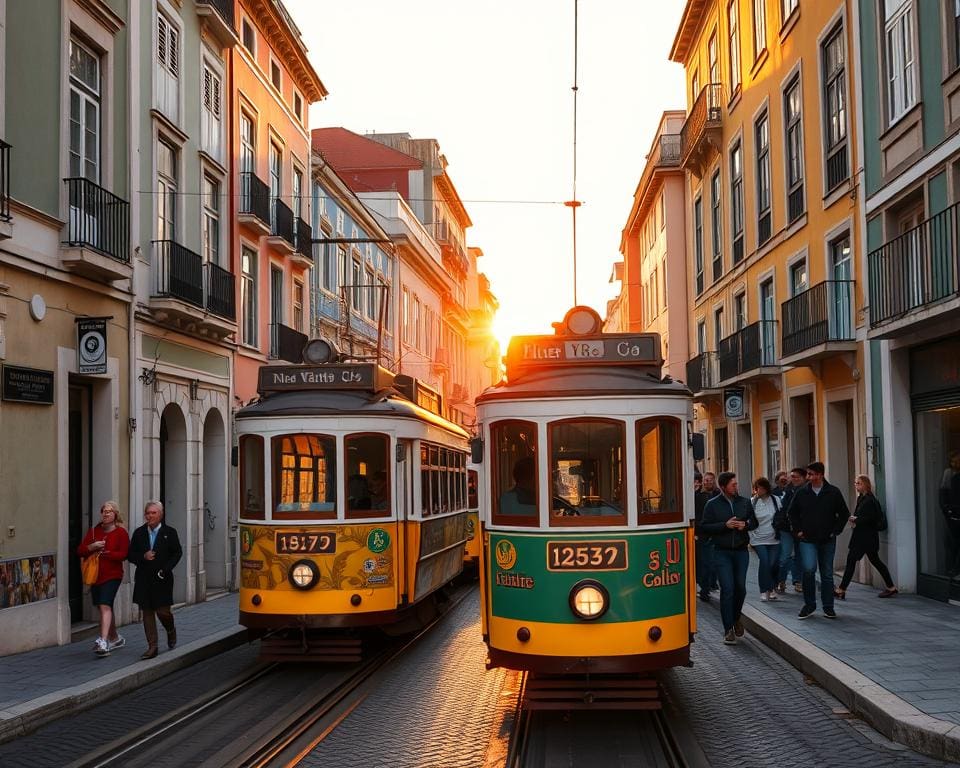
703, 551
155, 550
817, 514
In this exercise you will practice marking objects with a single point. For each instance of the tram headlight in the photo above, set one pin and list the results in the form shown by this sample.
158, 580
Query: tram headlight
303, 574
589, 600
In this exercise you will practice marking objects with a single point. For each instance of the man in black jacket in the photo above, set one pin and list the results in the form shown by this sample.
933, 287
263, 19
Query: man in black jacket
726, 519
817, 514
789, 546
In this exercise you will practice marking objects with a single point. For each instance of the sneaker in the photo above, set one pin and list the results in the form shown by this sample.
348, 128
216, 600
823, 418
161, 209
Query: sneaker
782, 587
764, 597
103, 647
118, 643
771, 595
830, 613
730, 638
738, 628
797, 586
806, 612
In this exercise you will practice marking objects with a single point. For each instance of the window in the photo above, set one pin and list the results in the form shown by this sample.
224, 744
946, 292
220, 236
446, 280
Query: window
211, 220
297, 305
248, 295
298, 106
405, 316
718, 325
759, 27
276, 309
383, 305
370, 307
841, 295
343, 261
275, 74
210, 123
721, 460
794, 146
249, 37
740, 311
248, 145
84, 112
658, 471
695, 86
513, 460
712, 57
736, 201
297, 193
168, 68
715, 226
166, 191
698, 241
251, 478
898, 53
832, 60
587, 472
734, 44
329, 276
356, 287
768, 326
955, 34
304, 477
367, 457
276, 179
701, 336
798, 277
762, 133
417, 340
787, 7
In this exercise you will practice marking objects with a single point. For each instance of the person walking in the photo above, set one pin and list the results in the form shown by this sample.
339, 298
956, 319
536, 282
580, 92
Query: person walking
865, 539
109, 539
764, 538
703, 552
155, 550
818, 513
789, 545
727, 520
780, 483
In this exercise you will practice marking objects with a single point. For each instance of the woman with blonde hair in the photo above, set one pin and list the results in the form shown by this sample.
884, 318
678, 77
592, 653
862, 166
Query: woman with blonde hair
865, 521
109, 538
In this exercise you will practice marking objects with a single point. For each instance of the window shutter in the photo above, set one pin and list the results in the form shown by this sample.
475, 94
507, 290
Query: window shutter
207, 89
216, 96
161, 40
174, 51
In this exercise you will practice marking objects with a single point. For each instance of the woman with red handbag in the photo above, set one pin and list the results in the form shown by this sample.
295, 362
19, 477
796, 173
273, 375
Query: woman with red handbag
108, 543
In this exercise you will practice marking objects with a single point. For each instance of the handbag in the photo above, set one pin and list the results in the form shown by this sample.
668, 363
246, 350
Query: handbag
90, 568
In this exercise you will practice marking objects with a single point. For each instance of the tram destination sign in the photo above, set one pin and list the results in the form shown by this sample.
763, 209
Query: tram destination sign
290, 378
609, 349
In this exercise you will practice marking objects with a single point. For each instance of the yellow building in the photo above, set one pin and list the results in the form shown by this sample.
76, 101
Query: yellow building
775, 302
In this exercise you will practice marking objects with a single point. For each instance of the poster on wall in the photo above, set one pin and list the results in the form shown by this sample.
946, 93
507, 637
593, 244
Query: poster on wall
92, 345
28, 580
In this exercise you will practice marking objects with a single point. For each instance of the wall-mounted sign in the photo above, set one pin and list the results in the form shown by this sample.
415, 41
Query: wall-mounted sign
92, 345
733, 403
27, 385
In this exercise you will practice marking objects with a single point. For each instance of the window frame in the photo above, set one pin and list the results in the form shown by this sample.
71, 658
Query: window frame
737, 212
904, 20
168, 188
250, 324
716, 223
759, 28
764, 176
211, 217
87, 95
733, 46
276, 484
793, 127
359, 514
661, 518
244, 514
833, 95
496, 517
245, 24
698, 243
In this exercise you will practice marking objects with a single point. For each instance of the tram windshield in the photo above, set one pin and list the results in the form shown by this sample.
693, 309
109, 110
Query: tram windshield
304, 477
587, 472
368, 477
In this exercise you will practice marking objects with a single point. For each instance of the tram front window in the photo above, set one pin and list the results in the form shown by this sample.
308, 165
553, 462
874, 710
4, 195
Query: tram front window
587, 472
658, 471
304, 472
368, 478
514, 463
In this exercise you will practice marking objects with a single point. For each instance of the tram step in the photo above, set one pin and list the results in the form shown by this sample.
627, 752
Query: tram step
613, 693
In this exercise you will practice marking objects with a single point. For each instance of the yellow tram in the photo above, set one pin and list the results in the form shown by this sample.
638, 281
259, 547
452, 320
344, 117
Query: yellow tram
353, 501
586, 505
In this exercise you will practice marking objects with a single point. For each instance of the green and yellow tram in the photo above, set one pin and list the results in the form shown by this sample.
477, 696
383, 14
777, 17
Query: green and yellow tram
587, 563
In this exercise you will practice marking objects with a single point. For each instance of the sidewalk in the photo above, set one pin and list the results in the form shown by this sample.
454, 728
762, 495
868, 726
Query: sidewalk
891, 662
40, 686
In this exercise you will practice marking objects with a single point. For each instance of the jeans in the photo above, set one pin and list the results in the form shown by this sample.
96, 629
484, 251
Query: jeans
731, 569
812, 555
769, 555
789, 557
705, 573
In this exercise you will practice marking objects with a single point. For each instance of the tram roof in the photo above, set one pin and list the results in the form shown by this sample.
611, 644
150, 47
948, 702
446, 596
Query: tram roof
584, 381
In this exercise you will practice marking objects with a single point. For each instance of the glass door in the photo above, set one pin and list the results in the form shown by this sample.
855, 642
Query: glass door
768, 326
841, 325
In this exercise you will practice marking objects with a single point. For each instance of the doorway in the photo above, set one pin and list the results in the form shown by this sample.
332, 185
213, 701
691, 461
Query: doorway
744, 457
803, 431
173, 487
79, 489
214, 519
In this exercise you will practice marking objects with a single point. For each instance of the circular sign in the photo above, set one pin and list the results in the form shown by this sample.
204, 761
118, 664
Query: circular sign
506, 555
378, 540
91, 348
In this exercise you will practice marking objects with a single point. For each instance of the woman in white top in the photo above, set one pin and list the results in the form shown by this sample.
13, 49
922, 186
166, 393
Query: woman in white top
764, 538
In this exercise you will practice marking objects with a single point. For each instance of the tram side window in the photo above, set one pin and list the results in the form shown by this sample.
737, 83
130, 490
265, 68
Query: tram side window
513, 447
251, 478
368, 475
587, 471
658, 471
442, 476
304, 477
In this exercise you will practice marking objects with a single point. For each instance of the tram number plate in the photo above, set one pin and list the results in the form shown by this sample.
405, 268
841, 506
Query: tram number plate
306, 543
587, 555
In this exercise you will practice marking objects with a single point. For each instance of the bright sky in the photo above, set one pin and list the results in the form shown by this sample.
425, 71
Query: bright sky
491, 81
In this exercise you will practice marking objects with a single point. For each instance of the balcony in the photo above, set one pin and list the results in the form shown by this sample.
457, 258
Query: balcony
281, 227
218, 17
97, 242
818, 322
303, 250
913, 278
5, 227
286, 343
254, 207
700, 135
703, 374
184, 300
749, 354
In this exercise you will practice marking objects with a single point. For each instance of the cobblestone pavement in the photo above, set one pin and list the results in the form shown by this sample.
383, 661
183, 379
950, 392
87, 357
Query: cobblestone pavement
749, 708
437, 706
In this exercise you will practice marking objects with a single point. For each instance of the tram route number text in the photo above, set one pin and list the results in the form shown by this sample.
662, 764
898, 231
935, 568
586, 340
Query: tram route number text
586, 555
306, 543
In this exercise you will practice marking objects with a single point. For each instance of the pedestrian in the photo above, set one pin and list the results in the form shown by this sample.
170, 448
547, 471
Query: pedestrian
818, 513
709, 487
764, 538
789, 544
949, 498
727, 520
710, 484
108, 540
155, 550
780, 483
703, 552
865, 539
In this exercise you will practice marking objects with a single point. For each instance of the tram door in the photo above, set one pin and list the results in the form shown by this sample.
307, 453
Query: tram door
404, 508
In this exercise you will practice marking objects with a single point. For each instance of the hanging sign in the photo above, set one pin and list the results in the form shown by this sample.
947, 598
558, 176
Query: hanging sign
91, 345
733, 403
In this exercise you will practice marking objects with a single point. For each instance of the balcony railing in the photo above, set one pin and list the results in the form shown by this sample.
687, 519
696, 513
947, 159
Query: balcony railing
97, 219
818, 315
703, 372
795, 204
707, 112
179, 272
282, 224
763, 227
837, 167
304, 239
223, 7
254, 197
750, 348
738, 249
4, 181
917, 268
286, 343
221, 296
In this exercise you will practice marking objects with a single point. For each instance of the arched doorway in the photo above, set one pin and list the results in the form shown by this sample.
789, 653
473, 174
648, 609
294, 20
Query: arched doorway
214, 519
173, 487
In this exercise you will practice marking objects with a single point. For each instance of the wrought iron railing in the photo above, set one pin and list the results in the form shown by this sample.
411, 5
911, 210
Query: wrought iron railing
4, 181
179, 272
221, 292
738, 248
917, 268
282, 224
223, 7
750, 348
304, 239
763, 227
703, 372
708, 108
837, 171
254, 197
795, 204
97, 219
817, 315
286, 343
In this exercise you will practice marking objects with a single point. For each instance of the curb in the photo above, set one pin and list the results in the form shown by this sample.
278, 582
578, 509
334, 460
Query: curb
24, 718
895, 718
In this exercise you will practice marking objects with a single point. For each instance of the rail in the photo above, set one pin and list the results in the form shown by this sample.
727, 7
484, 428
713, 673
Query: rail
703, 372
223, 7
221, 293
254, 197
179, 272
708, 108
286, 343
304, 243
97, 219
750, 348
818, 315
282, 221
